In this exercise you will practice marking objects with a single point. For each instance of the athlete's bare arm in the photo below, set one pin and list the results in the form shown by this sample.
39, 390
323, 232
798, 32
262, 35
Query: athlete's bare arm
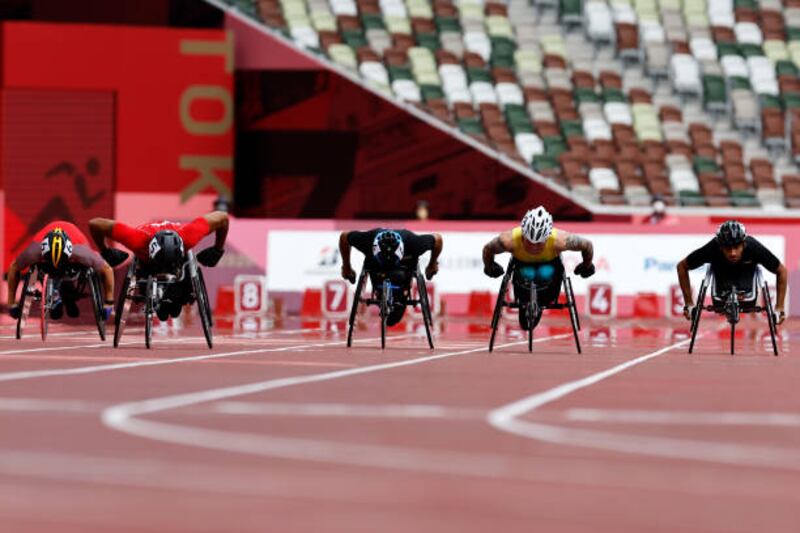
218, 223
344, 250
13, 281
100, 229
575, 243
498, 245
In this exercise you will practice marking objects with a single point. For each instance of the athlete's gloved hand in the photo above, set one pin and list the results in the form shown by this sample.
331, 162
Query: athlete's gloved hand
15, 312
431, 270
107, 310
583, 270
210, 256
494, 270
780, 316
114, 257
348, 273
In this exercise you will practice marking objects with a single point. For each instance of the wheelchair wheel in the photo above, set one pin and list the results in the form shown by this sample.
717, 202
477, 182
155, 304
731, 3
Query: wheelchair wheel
97, 304
386, 301
533, 310
25, 301
696, 312
354, 310
124, 303
203, 306
498, 307
573, 309
149, 310
48, 295
422, 289
773, 327
573, 312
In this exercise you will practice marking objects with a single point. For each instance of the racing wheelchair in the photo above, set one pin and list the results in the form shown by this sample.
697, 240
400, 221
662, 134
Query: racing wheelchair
43, 288
534, 308
383, 296
731, 303
147, 288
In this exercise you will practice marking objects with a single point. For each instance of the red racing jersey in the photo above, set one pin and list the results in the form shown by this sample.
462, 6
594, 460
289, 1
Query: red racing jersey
75, 235
136, 239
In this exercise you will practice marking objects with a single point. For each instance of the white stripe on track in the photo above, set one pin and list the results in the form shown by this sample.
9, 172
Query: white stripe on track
124, 418
77, 371
344, 410
506, 418
684, 418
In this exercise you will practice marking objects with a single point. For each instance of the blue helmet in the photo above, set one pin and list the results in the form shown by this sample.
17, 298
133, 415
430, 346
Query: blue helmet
388, 247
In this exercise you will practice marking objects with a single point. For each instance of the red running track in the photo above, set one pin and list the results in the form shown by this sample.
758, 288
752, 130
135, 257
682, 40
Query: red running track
289, 431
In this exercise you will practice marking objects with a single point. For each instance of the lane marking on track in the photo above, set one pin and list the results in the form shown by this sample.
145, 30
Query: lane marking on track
345, 410
40, 405
125, 418
83, 370
506, 419
684, 418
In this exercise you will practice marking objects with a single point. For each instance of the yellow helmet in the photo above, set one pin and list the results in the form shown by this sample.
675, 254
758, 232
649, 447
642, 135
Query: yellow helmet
56, 249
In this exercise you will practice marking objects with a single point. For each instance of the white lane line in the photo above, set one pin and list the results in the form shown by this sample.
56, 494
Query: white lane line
506, 418
54, 334
684, 418
77, 371
124, 418
345, 410
39, 405
58, 348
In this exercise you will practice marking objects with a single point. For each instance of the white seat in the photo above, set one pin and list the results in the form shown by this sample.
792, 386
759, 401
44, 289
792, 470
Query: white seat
734, 66
685, 73
375, 72
457, 95
748, 32
703, 49
684, 179
344, 7
407, 90
618, 113
479, 43
483, 92
453, 76
603, 178
598, 21
509, 93
650, 31
596, 129
528, 145
305, 36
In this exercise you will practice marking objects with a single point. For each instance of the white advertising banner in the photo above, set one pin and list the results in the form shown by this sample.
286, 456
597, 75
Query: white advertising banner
631, 263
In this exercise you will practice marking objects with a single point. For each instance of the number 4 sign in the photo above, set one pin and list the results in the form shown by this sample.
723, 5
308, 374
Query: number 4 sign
601, 300
336, 298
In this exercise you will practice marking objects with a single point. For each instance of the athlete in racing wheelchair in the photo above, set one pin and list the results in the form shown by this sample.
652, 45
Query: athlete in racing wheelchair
536, 271
391, 261
735, 279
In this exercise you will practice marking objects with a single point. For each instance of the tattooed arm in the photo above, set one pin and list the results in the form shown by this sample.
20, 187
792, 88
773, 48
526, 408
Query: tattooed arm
577, 243
501, 243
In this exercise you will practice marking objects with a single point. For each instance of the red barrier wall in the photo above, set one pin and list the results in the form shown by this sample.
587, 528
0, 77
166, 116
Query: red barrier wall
173, 107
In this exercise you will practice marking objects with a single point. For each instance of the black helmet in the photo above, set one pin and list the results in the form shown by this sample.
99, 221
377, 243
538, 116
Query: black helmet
166, 251
56, 250
388, 247
731, 233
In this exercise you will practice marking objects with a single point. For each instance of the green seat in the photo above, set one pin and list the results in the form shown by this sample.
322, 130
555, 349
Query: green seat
429, 41
478, 74
431, 92
691, 198
400, 72
372, 22
791, 100
503, 46
792, 33
354, 38
521, 126
571, 128
769, 101
612, 94
572, 8
727, 49
584, 94
543, 162
502, 61
705, 164
554, 146
714, 90
750, 50
445, 24
747, 4
738, 82
785, 68
743, 199
471, 125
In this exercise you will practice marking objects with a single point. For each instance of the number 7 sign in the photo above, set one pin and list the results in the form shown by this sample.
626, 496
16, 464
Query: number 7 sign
336, 298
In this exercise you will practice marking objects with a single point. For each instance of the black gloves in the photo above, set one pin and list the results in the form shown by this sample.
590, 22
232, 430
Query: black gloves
15, 312
210, 256
494, 270
583, 270
114, 257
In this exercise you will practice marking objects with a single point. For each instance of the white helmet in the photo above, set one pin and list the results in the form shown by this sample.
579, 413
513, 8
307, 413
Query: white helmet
537, 225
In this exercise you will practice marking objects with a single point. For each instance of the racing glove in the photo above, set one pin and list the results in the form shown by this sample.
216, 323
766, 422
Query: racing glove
583, 270
494, 270
114, 257
210, 256
15, 312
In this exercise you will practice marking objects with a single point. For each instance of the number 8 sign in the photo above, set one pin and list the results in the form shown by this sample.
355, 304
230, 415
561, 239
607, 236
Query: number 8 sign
250, 294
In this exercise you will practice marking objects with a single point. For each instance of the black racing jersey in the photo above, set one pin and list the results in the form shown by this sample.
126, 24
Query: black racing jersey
413, 247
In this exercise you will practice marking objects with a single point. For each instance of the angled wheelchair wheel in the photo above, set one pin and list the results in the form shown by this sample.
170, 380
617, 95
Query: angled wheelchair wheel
203, 306
25, 301
732, 310
362, 276
97, 304
48, 296
386, 301
149, 310
696, 312
422, 289
124, 301
573, 312
773, 327
498, 307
